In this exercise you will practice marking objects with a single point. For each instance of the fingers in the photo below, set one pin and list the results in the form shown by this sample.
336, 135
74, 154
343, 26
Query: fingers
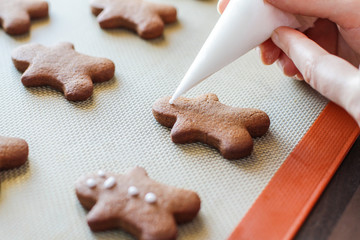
332, 76
344, 13
269, 52
352, 38
287, 66
324, 33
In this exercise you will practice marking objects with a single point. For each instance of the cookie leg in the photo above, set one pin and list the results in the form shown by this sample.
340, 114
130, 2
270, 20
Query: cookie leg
167, 231
98, 218
189, 208
151, 28
102, 69
13, 152
78, 90
233, 149
185, 132
33, 78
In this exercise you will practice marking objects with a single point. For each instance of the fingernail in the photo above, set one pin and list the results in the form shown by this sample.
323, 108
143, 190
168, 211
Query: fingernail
299, 77
275, 38
257, 49
218, 7
280, 65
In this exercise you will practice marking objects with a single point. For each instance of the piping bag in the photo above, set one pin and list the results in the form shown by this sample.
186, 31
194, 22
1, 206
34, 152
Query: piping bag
243, 25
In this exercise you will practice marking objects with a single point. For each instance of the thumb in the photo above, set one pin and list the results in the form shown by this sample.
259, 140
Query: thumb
344, 13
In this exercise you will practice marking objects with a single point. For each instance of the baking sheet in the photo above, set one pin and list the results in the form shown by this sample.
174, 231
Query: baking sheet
114, 130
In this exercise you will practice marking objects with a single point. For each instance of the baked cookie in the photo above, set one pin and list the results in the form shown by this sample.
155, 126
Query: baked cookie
147, 209
145, 18
204, 119
13, 152
62, 68
15, 15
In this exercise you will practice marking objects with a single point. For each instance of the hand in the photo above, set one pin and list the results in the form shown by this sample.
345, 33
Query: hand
324, 55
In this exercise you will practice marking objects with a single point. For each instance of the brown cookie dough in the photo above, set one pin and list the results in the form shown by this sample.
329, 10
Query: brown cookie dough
147, 209
15, 15
13, 152
62, 68
145, 18
204, 119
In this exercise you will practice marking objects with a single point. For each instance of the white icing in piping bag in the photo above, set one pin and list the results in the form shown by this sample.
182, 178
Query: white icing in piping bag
244, 25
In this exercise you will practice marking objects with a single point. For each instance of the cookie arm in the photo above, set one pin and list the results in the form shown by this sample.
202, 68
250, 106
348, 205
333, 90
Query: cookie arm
38, 9
23, 55
97, 6
164, 113
138, 171
15, 24
108, 19
207, 97
167, 13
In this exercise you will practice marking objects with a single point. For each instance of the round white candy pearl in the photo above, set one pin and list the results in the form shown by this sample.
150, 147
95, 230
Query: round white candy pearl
91, 183
133, 191
110, 182
101, 173
150, 197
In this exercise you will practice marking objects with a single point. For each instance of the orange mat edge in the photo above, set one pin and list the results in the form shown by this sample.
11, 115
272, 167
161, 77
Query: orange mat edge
286, 201
307, 209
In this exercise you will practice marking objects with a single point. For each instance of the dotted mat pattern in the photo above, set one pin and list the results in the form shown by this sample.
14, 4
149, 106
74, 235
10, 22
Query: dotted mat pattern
114, 130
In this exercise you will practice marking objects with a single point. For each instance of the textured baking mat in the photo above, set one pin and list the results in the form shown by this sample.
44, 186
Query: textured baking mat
115, 129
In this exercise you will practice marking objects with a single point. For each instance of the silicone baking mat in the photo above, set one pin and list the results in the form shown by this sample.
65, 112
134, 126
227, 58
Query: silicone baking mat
114, 130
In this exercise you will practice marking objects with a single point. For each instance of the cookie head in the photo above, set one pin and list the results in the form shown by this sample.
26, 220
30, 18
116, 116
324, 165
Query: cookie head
15, 15
62, 68
204, 119
13, 152
147, 19
135, 203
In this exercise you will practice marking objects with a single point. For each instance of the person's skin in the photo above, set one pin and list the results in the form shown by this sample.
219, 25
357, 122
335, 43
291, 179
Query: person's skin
326, 56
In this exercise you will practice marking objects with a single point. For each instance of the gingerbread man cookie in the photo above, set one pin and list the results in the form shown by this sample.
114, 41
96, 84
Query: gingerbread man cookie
204, 119
147, 209
62, 68
13, 152
145, 18
15, 15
